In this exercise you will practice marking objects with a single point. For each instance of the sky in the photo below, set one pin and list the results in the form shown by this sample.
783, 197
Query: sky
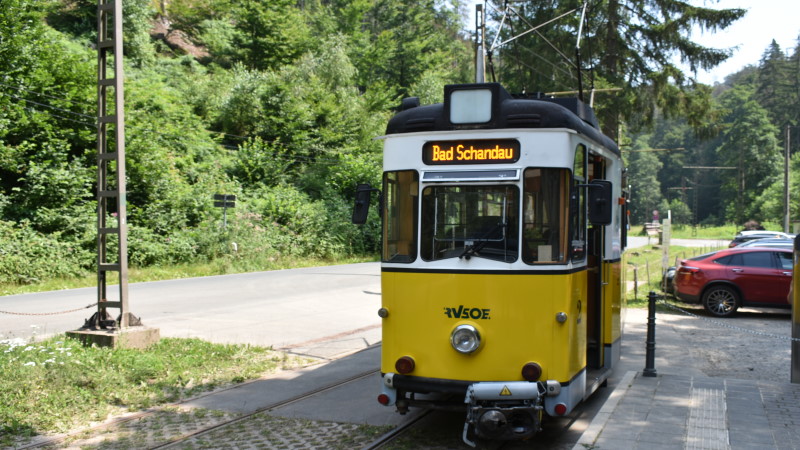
765, 20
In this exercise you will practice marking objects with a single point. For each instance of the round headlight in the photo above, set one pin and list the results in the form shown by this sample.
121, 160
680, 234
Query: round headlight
465, 339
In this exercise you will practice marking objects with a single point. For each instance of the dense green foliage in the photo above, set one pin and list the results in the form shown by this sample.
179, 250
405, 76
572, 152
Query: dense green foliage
274, 102
279, 103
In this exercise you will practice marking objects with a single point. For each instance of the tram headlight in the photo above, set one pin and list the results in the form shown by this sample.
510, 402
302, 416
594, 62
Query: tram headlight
465, 339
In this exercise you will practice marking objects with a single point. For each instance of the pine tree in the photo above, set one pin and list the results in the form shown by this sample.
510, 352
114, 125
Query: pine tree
628, 44
774, 86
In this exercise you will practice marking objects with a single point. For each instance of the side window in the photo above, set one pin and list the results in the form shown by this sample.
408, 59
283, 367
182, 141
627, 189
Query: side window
400, 216
578, 206
786, 260
545, 208
725, 260
758, 259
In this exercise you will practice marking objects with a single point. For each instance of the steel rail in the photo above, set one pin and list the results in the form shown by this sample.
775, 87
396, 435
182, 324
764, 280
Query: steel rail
397, 432
278, 404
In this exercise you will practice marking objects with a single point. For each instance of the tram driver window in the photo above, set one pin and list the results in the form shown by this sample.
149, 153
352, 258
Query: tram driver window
544, 214
470, 221
400, 216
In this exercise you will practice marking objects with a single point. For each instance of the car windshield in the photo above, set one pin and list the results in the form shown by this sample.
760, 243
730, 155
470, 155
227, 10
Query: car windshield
467, 221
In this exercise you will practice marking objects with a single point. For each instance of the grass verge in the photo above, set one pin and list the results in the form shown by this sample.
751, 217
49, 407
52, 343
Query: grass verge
644, 269
57, 384
722, 232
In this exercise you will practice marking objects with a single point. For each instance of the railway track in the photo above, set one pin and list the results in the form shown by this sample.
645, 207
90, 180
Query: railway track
175, 442
196, 431
397, 432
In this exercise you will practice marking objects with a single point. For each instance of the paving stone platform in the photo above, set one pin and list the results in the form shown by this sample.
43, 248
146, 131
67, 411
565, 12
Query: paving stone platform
696, 412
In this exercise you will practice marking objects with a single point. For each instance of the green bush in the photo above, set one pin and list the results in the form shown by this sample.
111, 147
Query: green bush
146, 248
28, 256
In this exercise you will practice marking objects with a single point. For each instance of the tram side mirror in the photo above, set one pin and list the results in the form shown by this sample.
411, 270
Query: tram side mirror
361, 207
600, 202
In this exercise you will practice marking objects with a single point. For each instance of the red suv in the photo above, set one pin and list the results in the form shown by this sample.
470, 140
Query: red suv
728, 279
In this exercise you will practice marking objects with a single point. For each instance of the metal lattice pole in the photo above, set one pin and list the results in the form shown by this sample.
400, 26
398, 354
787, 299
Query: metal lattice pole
110, 164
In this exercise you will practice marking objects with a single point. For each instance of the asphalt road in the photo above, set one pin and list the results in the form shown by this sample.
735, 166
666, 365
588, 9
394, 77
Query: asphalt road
321, 311
326, 310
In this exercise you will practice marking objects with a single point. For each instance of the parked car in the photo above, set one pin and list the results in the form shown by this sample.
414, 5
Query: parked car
668, 280
768, 242
728, 279
744, 236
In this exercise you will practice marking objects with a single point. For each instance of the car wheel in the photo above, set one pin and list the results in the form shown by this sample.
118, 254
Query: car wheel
721, 301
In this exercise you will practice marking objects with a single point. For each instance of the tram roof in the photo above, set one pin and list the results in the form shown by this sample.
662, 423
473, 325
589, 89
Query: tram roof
506, 112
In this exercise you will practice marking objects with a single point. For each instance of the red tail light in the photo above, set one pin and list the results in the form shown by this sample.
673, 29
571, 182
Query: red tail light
405, 365
689, 269
531, 371
383, 399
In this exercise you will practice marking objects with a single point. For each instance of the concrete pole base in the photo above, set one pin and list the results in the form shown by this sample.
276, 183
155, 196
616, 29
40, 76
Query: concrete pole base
130, 337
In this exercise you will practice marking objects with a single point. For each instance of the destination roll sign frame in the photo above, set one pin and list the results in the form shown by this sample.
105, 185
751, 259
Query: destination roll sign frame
494, 151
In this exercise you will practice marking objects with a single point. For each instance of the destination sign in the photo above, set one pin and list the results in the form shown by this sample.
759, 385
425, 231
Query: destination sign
497, 151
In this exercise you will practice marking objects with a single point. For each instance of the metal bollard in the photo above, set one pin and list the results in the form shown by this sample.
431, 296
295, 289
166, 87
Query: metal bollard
650, 345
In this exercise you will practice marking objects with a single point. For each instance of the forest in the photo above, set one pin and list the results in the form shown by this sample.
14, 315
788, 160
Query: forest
279, 103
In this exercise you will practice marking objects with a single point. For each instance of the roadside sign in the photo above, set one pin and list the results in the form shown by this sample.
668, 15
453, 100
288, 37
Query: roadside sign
224, 201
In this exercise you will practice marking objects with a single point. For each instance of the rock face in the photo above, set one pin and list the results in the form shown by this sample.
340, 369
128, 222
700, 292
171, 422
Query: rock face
177, 40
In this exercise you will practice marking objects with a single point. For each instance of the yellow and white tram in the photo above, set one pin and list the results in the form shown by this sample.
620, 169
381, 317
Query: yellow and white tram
503, 232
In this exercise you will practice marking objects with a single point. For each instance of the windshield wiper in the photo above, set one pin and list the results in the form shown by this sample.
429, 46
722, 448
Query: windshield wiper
471, 250
480, 242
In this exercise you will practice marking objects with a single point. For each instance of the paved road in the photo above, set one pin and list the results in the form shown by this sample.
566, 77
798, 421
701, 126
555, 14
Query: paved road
336, 305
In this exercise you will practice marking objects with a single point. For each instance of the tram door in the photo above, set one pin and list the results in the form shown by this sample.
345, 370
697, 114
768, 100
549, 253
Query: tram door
594, 262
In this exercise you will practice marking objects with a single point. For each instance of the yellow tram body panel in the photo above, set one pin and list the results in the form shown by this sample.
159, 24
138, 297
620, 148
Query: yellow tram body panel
613, 295
515, 315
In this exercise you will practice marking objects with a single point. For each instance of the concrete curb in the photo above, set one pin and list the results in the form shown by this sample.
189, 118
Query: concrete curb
589, 437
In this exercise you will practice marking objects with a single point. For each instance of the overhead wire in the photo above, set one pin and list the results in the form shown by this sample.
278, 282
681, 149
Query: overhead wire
46, 105
516, 57
19, 88
535, 29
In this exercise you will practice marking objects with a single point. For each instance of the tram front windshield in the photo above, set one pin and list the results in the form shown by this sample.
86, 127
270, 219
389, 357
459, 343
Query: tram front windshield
470, 221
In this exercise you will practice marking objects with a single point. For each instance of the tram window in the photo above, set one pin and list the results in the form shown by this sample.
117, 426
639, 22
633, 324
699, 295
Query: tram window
400, 216
470, 221
578, 209
544, 211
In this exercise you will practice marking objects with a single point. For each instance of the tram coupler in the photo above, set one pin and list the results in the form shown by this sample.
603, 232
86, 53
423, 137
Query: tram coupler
503, 410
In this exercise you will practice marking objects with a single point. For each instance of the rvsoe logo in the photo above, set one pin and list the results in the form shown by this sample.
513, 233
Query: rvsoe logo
462, 312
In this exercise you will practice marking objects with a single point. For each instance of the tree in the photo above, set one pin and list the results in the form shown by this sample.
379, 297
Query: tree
270, 34
775, 89
750, 144
643, 168
405, 40
46, 121
628, 44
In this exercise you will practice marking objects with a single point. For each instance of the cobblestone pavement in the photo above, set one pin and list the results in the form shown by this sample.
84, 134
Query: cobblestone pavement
721, 384
260, 431
753, 345
691, 412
